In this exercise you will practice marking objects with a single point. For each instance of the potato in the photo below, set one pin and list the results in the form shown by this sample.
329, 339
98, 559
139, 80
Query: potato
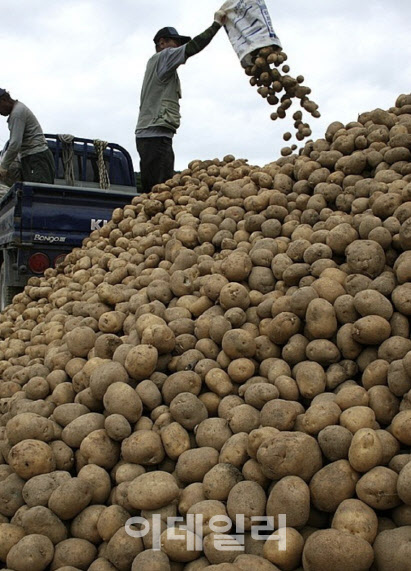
357, 417
398, 380
350, 348
248, 499
181, 382
42, 520
117, 427
232, 295
190, 495
280, 414
29, 425
180, 544
332, 484
289, 496
365, 257
398, 461
37, 490
250, 561
287, 453
9, 535
323, 351
73, 552
84, 526
80, 340
391, 549
150, 560
37, 388
122, 399
207, 509
175, 440
143, 447
106, 345
30, 458
345, 310
99, 480
238, 343
349, 395
70, 498
219, 480
294, 351
378, 488
258, 394
355, 517
219, 382
111, 519
153, 490
99, 564
375, 374
310, 378
365, 451
401, 515
122, 549
188, 410
213, 551
33, 551
192, 465
283, 326
141, 361
63, 455
321, 320
288, 558
390, 446
243, 418
125, 471
287, 387
384, 404
98, 448
213, 432
337, 548
403, 488
396, 347
319, 415
372, 302
400, 426
371, 330
75, 431
149, 394
161, 337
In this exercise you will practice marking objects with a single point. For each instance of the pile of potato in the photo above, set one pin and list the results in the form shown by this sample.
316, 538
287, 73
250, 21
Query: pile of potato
234, 344
275, 84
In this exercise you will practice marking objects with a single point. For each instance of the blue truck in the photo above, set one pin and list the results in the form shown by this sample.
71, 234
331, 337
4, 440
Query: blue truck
41, 223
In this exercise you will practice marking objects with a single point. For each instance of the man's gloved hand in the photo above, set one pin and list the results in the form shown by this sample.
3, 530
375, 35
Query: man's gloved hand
3, 172
220, 17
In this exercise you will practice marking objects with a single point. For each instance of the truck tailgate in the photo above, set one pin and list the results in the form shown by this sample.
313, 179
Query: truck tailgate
40, 213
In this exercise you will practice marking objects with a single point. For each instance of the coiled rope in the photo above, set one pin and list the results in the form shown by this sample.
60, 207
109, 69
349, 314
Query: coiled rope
102, 171
67, 156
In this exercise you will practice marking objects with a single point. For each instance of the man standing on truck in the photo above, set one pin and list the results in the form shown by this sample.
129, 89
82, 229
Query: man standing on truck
159, 116
26, 142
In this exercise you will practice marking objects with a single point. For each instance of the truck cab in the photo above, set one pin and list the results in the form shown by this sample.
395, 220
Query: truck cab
41, 223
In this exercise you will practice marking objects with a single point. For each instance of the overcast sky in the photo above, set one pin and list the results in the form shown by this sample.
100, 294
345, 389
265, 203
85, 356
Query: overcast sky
79, 65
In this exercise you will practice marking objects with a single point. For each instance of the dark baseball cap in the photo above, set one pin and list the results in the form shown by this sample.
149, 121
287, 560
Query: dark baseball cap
169, 32
2, 92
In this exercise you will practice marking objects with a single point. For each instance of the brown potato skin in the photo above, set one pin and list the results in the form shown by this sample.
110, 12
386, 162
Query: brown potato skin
33, 551
350, 551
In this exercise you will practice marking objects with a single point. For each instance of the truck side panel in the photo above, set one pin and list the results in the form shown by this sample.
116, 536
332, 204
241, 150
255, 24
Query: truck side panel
54, 214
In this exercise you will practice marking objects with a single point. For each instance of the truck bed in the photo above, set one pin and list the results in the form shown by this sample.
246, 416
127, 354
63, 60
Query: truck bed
34, 213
